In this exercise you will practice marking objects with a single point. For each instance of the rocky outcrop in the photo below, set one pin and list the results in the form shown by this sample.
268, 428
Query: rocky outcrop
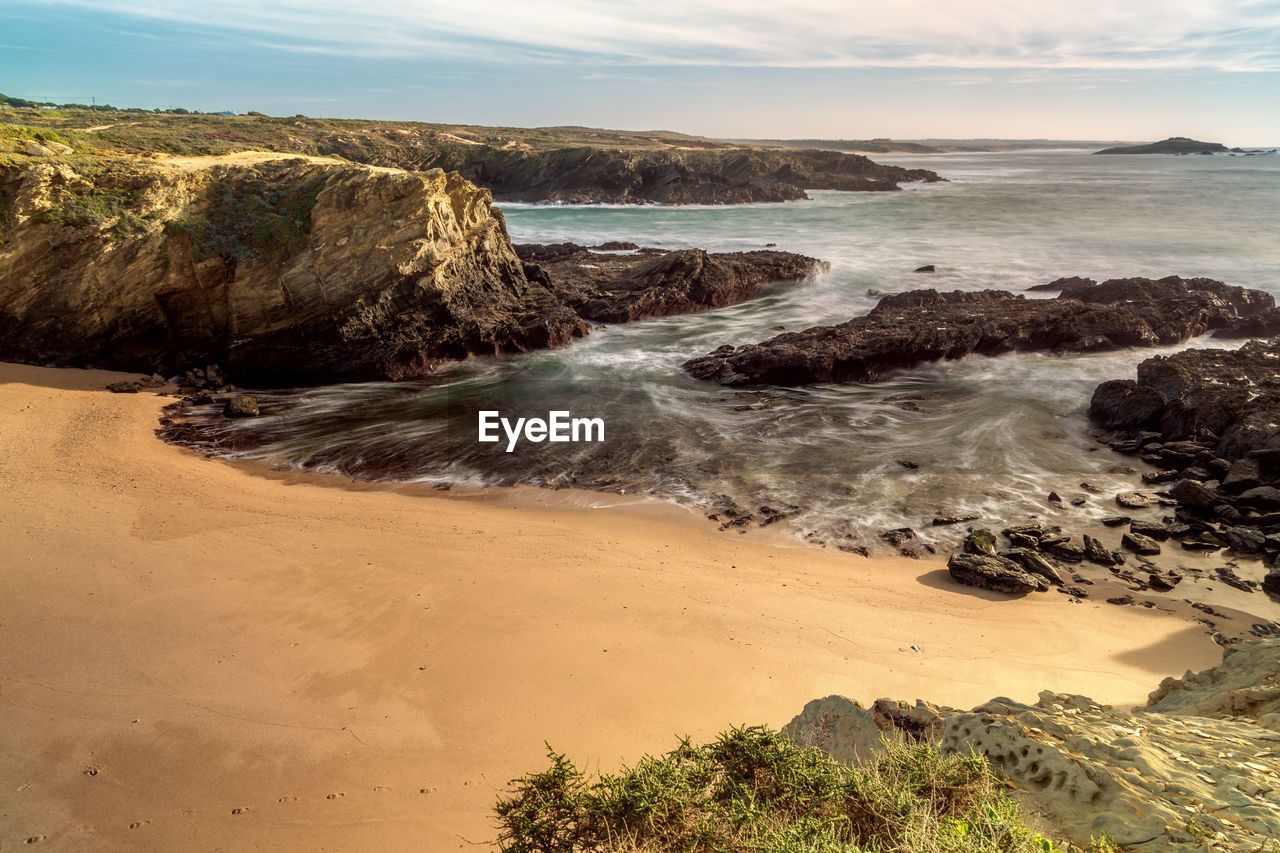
1199, 762
1172, 145
285, 271
907, 329
293, 271
1208, 417
617, 288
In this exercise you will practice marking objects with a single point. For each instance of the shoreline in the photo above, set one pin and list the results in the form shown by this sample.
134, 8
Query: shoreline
197, 655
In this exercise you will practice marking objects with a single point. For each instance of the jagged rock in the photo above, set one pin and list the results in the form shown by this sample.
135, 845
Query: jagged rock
1244, 474
1116, 520
1267, 497
1195, 495
1164, 581
1135, 500
1228, 576
1244, 540
1150, 530
623, 288
942, 520
925, 268
1063, 549
994, 573
1035, 564
1271, 583
241, 406
1096, 553
1140, 544
35, 149
906, 329
980, 541
123, 387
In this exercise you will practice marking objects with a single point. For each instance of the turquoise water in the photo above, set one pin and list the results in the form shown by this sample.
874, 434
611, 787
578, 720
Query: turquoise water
987, 435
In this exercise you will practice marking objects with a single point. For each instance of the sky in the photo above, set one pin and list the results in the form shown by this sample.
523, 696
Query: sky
852, 69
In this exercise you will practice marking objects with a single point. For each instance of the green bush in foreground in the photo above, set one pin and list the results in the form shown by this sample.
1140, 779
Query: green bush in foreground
753, 789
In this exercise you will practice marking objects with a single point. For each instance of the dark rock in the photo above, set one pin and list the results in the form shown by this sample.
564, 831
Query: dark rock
1230, 578
906, 542
1266, 497
1054, 498
123, 387
1035, 564
1271, 583
1116, 520
1064, 550
1074, 591
994, 573
908, 464
1165, 476
1073, 284
1096, 553
1164, 581
1140, 544
906, 329
1244, 540
925, 268
1121, 599
1245, 474
241, 406
941, 520
623, 246
1189, 493
624, 288
980, 541
1152, 531
1135, 500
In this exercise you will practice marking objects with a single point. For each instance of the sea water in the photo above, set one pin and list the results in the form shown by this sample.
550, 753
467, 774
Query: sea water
844, 461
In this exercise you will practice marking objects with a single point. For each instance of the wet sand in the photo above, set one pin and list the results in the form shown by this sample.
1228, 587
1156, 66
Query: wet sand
194, 656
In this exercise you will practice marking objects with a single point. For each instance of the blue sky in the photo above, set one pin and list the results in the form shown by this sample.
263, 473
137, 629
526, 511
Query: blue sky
1072, 69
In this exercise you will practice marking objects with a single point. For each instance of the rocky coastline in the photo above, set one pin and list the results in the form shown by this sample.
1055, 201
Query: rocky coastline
907, 329
292, 271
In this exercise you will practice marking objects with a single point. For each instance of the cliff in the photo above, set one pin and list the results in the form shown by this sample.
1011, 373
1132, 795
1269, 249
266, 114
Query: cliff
558, 164
284, 270
293, 270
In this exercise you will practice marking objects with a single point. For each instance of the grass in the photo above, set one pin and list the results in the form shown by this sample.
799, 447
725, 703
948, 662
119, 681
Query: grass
753, 789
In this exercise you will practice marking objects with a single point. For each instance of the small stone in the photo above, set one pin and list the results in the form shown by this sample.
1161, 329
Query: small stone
1140, 544
241, 406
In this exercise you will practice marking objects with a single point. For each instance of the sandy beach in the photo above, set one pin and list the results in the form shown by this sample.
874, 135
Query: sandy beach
194, 656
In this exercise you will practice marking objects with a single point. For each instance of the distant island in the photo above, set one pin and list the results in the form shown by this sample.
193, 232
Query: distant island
1172, 145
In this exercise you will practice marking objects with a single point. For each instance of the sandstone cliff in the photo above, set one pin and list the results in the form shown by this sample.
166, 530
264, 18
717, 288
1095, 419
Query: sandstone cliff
284, 270
291, 270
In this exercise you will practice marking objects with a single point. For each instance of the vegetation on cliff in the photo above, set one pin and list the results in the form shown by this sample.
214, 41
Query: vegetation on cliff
755, 789
563, 164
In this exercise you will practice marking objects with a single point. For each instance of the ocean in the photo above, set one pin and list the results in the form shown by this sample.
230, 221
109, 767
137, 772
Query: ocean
841, 463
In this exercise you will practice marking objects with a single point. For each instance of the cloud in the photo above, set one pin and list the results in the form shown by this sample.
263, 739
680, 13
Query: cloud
1222, 35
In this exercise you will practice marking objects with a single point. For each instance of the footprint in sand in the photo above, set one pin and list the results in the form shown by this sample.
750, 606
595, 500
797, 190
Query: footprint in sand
240, 810
287, 800
92, 770
138, 824
335, 796
36, 839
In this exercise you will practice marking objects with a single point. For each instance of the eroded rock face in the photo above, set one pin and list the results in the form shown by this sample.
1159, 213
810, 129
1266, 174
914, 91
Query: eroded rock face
1199, 761
610, 288
288, 271
907, 329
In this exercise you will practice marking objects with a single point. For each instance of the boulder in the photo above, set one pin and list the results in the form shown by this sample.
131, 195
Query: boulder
1140, 544
241, 406
994, 573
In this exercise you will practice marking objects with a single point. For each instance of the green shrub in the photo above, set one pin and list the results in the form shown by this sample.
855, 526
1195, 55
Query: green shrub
752, 789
